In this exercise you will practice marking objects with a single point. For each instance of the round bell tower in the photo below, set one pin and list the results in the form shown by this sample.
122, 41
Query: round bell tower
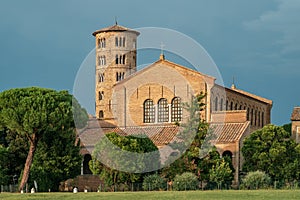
115, 60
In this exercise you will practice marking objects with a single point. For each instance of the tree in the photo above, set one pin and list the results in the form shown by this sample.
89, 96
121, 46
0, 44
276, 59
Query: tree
192, 135
271, 150
221, 173
32, 112
56, 159
114, 151
4, 166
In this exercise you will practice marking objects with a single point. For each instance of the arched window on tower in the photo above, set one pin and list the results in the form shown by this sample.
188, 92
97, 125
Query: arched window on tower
101, 114
116, 41
100, 95
99, 43
104, 43
176, 112
123, 41
149, 112
123, 59
117, 59
163, 110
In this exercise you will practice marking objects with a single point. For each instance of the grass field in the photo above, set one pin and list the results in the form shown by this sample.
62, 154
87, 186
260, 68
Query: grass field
189, 195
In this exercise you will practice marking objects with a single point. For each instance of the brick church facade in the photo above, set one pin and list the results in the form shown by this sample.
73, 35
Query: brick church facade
149, 101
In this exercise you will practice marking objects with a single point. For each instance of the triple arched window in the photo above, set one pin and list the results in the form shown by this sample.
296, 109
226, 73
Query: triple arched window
120, 59
162, 112
101, 60
101, 43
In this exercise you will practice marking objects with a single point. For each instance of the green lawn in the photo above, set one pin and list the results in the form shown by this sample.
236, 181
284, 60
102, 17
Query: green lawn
189, 195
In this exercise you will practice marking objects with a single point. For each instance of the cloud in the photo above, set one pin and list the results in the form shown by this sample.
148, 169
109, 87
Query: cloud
283, 21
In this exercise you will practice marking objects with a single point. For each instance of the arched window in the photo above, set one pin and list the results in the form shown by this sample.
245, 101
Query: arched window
231, 105
226, 104
216, 104
123, 59
117, 59
116, 41
99, 96
104, 43
123, 41
101, 114
163, 110
221, 105
149, 112
104, 60
262, 119
236, 106
176, 112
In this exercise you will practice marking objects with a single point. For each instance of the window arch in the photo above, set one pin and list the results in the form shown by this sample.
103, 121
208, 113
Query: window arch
100, 95
221, 104
149, 112
163, 110
101, 114
117, 59
176, 110
216, 104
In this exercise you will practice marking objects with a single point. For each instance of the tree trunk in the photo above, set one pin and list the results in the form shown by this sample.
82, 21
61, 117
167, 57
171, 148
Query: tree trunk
26, 171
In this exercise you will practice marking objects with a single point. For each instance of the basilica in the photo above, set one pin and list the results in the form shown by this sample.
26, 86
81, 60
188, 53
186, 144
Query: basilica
149, 101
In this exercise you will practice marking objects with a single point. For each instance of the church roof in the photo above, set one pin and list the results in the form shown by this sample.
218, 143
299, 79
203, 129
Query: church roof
248, 94
296, 114
229, 132
115, 28
160, 135
168, 63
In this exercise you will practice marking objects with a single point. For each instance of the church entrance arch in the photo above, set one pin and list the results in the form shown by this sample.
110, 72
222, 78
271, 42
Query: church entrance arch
86, 160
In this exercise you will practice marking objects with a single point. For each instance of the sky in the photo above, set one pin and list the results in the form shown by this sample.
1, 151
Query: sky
43, 43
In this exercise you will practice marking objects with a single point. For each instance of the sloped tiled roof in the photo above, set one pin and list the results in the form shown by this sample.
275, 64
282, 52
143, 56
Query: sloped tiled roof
160, 135
229, 132
296, 114
115, 28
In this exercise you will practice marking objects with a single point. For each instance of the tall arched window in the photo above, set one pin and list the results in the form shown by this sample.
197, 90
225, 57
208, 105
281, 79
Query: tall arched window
216, 104
221, 105
176, 112
117, 59
163, 110
149, 112
116, 41
227, 105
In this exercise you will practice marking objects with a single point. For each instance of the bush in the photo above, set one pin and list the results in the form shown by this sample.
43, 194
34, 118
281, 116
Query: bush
185, 181
154, 182
256, 180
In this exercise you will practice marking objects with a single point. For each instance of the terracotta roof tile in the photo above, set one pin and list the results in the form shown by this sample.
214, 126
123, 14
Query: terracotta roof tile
115, 28
229, 132
296, 114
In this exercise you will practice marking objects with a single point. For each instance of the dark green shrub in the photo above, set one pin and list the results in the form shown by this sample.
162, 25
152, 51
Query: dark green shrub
185, 181
256, 180
154, 182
